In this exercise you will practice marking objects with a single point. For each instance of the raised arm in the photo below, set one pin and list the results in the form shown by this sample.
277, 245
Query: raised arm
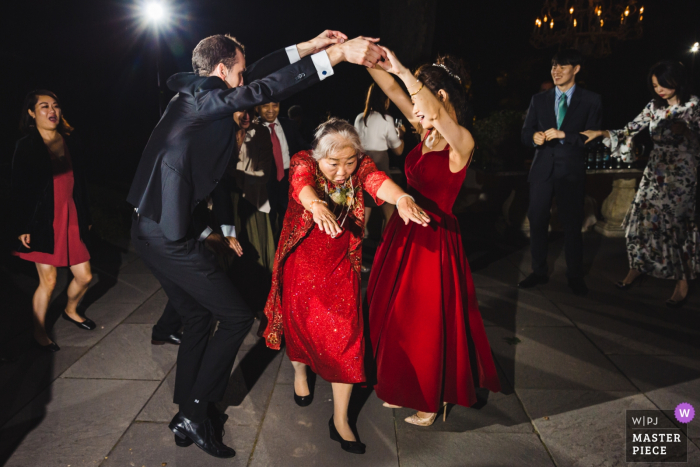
619, 140
397, 95
459, 138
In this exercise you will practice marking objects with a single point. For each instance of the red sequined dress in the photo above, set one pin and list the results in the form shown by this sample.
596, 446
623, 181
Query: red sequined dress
315, 297
425, 327
68, 248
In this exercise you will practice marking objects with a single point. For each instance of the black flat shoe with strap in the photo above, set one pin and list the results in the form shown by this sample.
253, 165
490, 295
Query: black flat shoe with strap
88, 324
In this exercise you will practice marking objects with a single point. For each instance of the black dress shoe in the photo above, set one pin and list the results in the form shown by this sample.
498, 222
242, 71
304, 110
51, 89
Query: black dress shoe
174, 339
201, 434
218, 420
578, 286
532, 280
303, 401
88, 324
354, 447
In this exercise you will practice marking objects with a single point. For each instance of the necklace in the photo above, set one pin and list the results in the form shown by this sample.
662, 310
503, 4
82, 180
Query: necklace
343, 196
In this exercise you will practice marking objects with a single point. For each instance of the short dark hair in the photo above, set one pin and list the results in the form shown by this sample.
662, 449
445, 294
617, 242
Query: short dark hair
213, 50
449, 73
568, 57
671, 75
376, 102
27, 123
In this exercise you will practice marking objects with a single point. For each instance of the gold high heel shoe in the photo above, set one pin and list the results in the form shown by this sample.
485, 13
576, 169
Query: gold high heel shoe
416, 420
392, 406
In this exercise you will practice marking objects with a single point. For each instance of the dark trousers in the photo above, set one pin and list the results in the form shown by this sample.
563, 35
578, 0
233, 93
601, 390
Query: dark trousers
168, 324
199, 291
569, 193
278, 194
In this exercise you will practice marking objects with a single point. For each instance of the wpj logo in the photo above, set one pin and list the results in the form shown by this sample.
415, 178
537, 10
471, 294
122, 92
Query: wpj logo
652, 435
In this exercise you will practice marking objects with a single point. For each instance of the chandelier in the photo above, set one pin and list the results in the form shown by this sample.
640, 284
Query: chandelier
587, 25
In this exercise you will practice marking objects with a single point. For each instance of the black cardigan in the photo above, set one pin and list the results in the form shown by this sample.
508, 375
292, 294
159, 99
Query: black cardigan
31, 193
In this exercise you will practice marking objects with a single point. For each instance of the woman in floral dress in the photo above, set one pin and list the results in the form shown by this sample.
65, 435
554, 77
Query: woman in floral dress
661, 226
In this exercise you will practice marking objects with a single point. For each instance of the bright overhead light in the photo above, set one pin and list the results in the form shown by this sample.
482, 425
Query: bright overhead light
695, 47
155, 11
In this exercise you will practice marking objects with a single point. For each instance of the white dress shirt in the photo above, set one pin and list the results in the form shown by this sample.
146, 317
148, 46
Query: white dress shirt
379, 134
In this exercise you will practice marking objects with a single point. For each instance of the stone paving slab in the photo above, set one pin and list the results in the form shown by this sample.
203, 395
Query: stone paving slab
497, 274
119, 291
431, 448
152, 444
554, 358
300, 435
150, 311
511, 308
83, 419
666, 381
126, 353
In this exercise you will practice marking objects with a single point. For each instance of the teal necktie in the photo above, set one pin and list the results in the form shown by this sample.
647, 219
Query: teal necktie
563, 105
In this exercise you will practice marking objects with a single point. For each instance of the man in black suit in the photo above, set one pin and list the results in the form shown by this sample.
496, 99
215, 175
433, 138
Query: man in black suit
553, 125
184, 160
286, 141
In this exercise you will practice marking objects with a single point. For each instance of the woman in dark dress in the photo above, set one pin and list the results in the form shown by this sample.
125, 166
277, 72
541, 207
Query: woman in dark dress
50, 217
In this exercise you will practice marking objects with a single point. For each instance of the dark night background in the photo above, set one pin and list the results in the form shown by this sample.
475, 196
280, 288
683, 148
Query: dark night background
100, 59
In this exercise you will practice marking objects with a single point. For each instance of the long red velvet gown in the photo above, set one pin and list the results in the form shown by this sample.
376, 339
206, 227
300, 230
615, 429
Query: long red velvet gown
424, 320
68, 248
315, 297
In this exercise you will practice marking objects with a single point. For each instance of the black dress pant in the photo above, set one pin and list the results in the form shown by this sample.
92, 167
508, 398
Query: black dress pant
199, 291
569, 192
169, 322
278, 194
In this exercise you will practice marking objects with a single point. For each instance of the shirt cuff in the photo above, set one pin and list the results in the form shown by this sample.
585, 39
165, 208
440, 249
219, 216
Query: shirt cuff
228, 230
205, 233
292, 53
322, 64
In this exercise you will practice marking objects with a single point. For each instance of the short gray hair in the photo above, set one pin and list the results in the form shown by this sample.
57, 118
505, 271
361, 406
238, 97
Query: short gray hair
333, 135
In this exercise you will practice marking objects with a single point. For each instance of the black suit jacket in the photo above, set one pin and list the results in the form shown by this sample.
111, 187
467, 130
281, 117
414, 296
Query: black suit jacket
31, 192
584, 113
295, 141
189, 149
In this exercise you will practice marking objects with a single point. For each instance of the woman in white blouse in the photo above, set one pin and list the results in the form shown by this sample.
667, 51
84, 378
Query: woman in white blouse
378, 134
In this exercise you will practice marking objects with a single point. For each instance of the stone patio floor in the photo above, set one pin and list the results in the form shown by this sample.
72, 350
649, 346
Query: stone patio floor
106, 398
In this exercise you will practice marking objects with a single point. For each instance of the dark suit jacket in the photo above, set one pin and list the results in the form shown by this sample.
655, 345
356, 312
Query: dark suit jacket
295, 141
190, 147
584, 113
31, 193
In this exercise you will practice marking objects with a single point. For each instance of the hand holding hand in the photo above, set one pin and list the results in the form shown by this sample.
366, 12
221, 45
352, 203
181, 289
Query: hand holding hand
325, 219
391, 63
25, 239
553, 134
360, 51
410, 211
321, 42
539, 138
234, 245
591, 135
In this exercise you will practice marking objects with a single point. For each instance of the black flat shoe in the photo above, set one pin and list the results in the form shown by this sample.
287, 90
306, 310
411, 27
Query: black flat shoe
51, 348
88, 324
625, 286
676, 303
532, 280
354, 447
201, 434
303, 401
174, 339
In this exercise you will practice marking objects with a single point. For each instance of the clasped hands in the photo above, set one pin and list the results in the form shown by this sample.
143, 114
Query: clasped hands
541, 136
360, 51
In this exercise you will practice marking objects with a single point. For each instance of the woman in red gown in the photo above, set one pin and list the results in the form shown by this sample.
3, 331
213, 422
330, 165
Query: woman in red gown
50, 216
425, 327
315, 296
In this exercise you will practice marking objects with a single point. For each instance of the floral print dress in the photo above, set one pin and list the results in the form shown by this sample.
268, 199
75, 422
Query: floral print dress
661, 226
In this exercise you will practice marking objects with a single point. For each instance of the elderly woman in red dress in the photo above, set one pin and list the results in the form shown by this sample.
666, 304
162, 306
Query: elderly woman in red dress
315, 297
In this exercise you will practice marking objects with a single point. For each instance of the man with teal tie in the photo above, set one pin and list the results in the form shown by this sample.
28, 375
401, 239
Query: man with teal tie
553, 125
